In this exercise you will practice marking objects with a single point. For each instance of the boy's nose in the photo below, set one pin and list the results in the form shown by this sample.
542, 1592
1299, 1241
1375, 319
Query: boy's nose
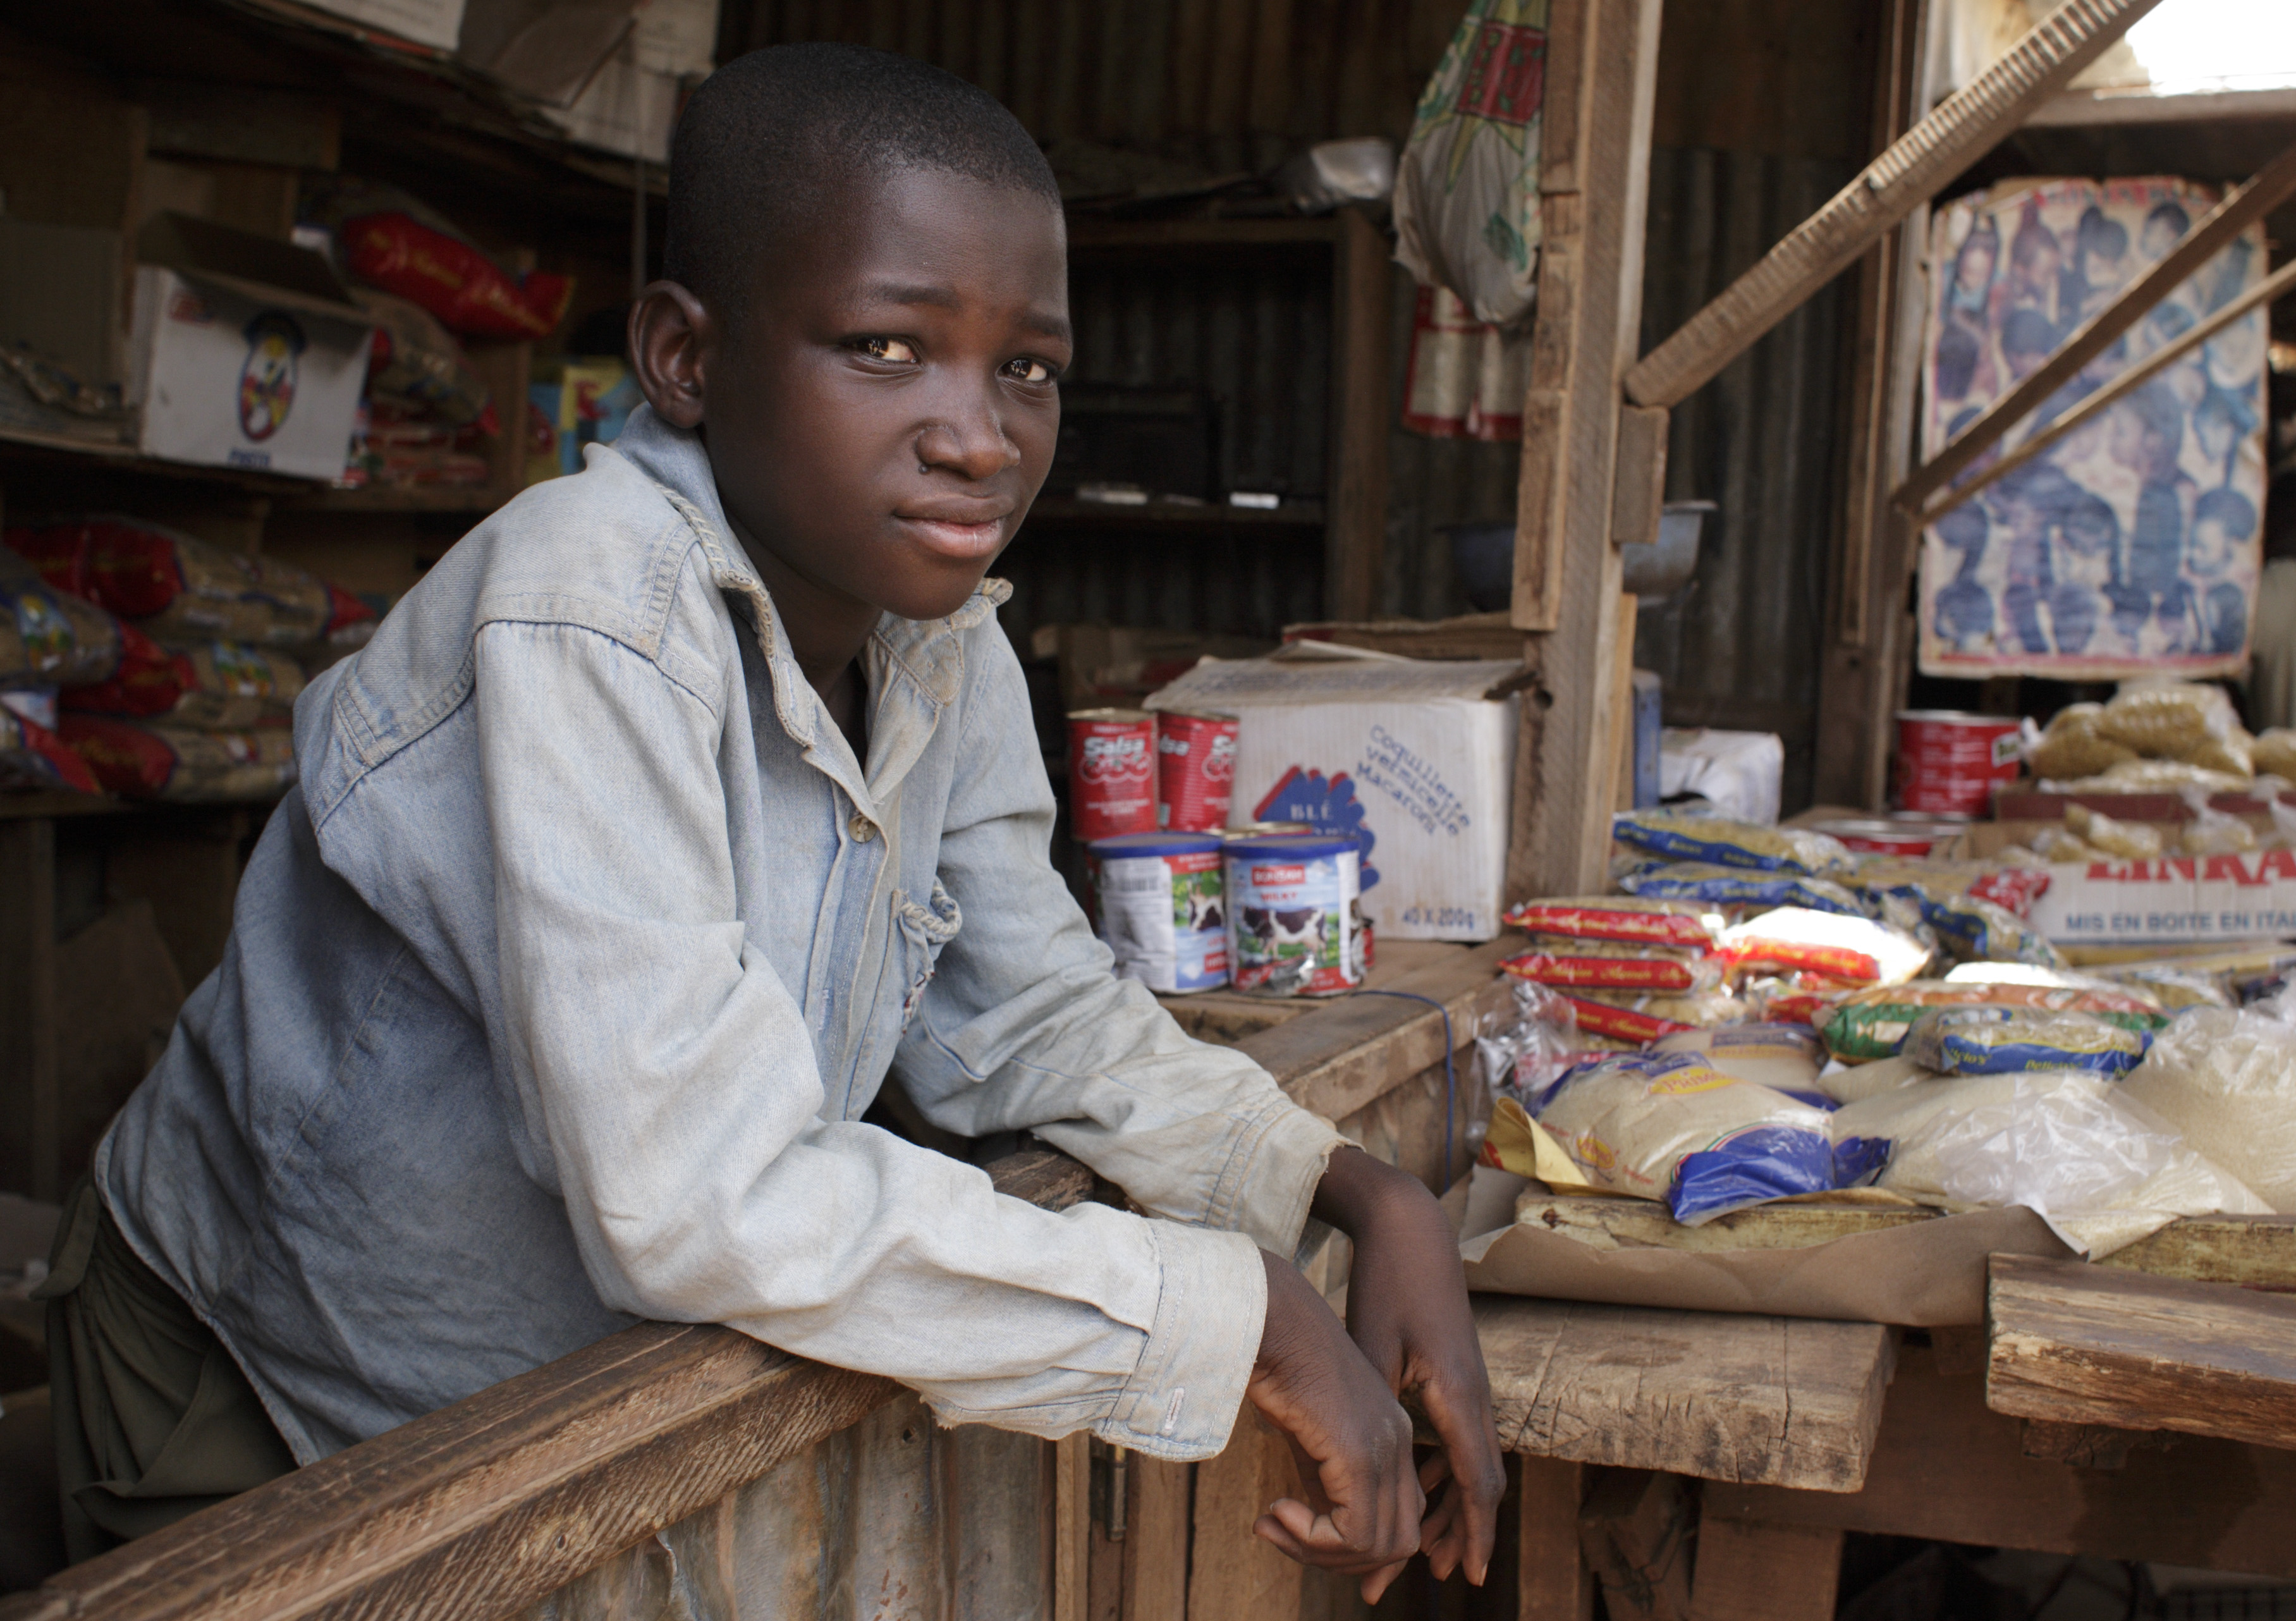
973, 446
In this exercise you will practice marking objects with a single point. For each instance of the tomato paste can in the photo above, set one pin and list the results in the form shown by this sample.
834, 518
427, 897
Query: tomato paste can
1294, 914
1880, 836
1111, 774
1195, 770
1950, 761
1162, 910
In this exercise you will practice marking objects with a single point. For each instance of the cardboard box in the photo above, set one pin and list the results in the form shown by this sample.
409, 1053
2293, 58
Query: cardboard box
1416, 756
245, 351
2178, 899
437, 23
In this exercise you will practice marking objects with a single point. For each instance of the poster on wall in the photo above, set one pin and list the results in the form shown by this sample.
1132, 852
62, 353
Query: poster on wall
2132, 546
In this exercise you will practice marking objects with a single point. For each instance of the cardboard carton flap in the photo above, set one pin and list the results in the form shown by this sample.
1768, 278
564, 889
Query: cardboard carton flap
1296, 680
255, 266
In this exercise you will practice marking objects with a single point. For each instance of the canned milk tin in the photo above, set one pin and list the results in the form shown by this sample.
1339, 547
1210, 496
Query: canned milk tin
1160, 909
1111, 774
1949, 760
1295, 925
1195, 770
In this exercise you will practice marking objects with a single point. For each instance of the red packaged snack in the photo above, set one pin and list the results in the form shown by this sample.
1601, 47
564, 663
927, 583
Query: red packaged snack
158, 762
32, 756
1613, 917
1613, 973
148, 680
462, 287
1624, 1024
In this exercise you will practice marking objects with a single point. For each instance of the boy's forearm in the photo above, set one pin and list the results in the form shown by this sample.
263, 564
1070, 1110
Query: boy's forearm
1357, 1191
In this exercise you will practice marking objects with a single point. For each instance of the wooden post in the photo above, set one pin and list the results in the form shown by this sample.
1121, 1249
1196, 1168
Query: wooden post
1232, 1572
1552, 1583
1355, 529
1750, 1571
31, 1112
1156, 1541
1072, 1525
1601, 76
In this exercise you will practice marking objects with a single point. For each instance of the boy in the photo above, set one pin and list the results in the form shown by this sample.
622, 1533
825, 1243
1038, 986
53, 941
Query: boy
681, 801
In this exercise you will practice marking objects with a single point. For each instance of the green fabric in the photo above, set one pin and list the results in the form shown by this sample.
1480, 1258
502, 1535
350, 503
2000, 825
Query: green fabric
154, 1421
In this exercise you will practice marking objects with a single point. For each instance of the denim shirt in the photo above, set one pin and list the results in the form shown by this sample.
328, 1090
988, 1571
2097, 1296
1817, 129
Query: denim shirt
558, 986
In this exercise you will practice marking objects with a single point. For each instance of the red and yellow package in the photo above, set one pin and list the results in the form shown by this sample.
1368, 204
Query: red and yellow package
1622, 1024
1619, 917
1566, 970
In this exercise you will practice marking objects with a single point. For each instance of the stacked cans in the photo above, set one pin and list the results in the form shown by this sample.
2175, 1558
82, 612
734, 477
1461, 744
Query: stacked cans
1950, 761
1125, 777
1295, 917
1162, 912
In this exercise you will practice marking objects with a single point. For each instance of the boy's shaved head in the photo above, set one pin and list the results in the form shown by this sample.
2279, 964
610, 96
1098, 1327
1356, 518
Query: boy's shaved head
775, 137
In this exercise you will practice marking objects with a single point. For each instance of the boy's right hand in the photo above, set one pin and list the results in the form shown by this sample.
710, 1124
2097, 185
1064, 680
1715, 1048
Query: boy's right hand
1351, 1437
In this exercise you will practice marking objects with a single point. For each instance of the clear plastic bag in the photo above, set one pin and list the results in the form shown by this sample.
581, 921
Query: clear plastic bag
2102, 1170
2228, 1081
2126, 840
2213, 831
1523, 1058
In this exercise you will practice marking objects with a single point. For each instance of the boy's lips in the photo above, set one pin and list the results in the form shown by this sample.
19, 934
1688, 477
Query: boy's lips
957, 534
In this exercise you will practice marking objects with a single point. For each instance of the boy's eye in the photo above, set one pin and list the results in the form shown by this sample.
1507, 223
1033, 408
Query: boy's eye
898, 351
1025, 369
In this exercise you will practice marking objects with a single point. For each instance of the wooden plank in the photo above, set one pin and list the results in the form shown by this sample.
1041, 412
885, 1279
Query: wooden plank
1552, 1581
1232, 1572
1747, 1571
1636, 1531
1567, 571
1722, 1397
1072, 1525
1355, 539
2083, 1345
1942, 145
485, 1506
2122, 385
1156, 1540
1639, 497
2242, 208
1470, 635
30, 1111
1945, 1468
1349, 1052
1642, 1224
2256, 1251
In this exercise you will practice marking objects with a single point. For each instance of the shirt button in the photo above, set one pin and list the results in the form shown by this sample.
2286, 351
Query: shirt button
862, 828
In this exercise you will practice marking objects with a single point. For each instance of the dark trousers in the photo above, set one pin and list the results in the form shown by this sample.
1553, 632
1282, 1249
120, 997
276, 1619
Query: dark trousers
154, 1421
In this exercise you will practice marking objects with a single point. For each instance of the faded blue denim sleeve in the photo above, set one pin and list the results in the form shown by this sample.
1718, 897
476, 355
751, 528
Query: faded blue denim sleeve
1023, 1024
678, 1093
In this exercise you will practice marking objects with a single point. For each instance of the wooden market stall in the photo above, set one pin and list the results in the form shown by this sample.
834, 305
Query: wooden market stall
1678, 1463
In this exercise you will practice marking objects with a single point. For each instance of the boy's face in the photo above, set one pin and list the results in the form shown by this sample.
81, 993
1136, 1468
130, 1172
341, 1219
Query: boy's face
885, 406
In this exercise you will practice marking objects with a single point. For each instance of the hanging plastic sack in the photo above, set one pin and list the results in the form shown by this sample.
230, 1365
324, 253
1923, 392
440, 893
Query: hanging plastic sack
2008, 1041
1467, 190
1671, 1126
2227, 1080
2100, 1169
1713, 840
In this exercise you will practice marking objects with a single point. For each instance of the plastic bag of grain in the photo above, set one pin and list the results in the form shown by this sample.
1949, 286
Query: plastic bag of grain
1846, 950
1710, 886
1671, 1126
2228, 1081
1874, 1023
2100, 1169
178, 589
1670, 836
145, 761
1782, 1057
2075, 745
2005, 1040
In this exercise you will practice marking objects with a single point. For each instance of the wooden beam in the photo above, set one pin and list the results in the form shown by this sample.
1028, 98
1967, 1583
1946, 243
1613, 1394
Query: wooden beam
1947, 1467
31, 1111
1636, 1531
1747, 1571
1552, 1581
1072, 1525
1156, 1540
2126, 383
484, 1507
1567, 570
1230, 1571
2074, 1344
1722, 1397
1932, 152
2243, 207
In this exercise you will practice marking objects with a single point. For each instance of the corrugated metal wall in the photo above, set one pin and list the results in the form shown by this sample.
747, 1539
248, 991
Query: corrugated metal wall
1738, 647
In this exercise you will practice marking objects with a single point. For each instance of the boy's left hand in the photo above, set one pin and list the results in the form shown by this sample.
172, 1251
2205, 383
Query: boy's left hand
1407, 1312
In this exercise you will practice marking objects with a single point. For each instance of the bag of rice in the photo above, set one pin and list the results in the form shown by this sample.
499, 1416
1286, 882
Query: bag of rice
179, 589
51, 638
1972, 929
1716, 885
1712, 840
214, 686
33, 759
1670, 1127
2099, 1168
1782, 1057
1849, 950
2004, 1041
2228, 1081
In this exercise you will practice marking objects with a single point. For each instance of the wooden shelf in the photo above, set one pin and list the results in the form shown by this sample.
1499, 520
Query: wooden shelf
2088, 108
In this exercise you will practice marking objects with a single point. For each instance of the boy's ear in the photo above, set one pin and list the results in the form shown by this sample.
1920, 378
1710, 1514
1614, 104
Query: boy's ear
671, 336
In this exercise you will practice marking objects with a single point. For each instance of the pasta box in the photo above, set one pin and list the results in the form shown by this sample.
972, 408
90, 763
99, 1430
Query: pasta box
245, 351
1413, 757
2181, 898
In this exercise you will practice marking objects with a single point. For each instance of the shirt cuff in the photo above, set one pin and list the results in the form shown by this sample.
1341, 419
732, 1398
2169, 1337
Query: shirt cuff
1184, 1396
1271, 1178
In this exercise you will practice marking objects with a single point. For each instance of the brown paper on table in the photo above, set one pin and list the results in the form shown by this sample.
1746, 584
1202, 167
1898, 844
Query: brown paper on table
1924, 1275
